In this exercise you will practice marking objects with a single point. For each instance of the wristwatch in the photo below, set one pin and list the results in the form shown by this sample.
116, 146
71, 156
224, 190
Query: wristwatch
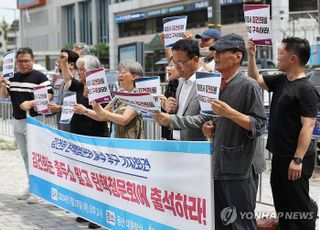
297, 160
86, 112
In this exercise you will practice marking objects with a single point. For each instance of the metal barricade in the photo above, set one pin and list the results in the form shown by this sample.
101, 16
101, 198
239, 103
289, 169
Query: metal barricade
6, 122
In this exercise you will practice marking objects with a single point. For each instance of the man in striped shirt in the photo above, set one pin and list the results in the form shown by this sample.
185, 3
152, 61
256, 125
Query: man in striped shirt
20, 89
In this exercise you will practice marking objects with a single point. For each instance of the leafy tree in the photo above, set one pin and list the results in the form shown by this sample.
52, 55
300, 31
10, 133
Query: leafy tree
101, 50
5, 28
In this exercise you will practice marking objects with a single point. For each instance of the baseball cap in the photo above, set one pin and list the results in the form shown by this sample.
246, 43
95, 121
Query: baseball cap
209, 33
229, 42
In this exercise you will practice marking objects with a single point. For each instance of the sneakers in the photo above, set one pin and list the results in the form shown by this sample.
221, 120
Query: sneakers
33, 200
25, 195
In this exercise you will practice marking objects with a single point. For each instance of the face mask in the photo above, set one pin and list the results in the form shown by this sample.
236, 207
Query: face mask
204, 51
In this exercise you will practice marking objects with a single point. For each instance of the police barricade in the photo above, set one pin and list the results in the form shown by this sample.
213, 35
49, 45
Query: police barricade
6, 122
123, 183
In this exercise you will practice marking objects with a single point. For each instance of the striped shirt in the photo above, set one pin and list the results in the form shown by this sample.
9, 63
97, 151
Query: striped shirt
20, 88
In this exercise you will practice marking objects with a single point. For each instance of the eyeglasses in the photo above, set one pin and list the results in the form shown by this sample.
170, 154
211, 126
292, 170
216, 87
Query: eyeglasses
22, 62
176, 63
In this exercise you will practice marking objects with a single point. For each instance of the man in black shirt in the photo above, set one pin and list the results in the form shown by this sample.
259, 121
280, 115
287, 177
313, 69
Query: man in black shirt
20, 89
293, 112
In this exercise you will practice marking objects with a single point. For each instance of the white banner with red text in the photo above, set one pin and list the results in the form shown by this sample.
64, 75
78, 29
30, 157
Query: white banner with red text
122, 183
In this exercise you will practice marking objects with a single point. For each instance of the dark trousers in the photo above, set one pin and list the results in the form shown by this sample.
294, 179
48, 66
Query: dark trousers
235, 202
295, 209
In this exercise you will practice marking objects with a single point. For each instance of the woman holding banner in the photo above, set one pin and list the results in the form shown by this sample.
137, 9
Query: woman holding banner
127, 123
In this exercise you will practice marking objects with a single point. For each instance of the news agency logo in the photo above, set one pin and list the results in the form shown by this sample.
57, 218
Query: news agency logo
110, 217
228, 215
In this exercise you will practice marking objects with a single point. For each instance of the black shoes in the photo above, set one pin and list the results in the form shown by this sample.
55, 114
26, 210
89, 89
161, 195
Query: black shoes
81, 220
91, 225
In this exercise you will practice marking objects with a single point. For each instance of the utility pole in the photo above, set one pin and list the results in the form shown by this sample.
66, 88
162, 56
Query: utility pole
214, 14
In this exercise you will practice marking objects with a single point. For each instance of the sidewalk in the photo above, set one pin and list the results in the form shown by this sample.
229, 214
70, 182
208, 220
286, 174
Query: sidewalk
15, 214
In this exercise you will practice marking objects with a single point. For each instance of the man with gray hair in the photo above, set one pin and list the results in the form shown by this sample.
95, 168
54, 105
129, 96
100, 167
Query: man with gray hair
81, 49
237, 137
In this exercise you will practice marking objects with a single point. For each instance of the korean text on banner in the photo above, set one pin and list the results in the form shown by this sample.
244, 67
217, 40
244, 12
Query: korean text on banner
208, 88
143, 102
42, 99
173, 29
257, 19
120, 182
149, 85
59, 79
8, 64
67, 109
98, 87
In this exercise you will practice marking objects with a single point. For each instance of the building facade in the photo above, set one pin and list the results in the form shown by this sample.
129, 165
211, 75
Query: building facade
132, 27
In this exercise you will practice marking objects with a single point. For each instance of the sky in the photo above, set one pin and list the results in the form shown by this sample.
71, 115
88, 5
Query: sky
8, 14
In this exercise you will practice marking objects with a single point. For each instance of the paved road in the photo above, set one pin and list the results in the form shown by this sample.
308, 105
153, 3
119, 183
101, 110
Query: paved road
16, 214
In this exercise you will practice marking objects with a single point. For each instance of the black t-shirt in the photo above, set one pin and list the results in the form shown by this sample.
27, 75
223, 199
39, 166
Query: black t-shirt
291, 100
20, 88
81, 124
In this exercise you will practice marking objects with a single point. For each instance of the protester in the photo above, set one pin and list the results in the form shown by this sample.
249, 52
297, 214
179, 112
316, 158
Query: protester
237, 136
61, 91
20, 90
186, 61
293, 112
207, 39
81, 49
80, 122
168, 105
127, 123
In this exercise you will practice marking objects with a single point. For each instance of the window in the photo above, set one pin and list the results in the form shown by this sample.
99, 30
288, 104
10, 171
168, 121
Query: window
71, 26
85, 22
103, 33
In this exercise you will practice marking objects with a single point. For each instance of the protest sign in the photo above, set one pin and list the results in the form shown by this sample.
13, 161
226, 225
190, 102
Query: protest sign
42, 99
67, 109
149, 85
59, 78
208, 88
97, 84
123, 183
257, 19
173, 29
8, 64
143, 102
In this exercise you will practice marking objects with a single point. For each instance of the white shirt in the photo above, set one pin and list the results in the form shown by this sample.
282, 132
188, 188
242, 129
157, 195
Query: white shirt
183, 95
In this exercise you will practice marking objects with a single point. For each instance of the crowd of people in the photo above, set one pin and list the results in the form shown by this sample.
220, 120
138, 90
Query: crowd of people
236, 129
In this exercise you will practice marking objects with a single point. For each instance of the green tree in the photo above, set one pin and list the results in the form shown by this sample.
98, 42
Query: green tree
101, 50
5, 29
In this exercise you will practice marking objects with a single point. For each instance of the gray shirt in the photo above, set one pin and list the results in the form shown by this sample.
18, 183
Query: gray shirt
237, 151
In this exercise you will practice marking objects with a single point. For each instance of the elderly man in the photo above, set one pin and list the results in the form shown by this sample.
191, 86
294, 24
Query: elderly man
237, 137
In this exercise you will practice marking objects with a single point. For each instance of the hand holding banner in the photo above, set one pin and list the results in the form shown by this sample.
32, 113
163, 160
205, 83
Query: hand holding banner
257, 19
97, 84
142, 102
208, 88
173, 29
